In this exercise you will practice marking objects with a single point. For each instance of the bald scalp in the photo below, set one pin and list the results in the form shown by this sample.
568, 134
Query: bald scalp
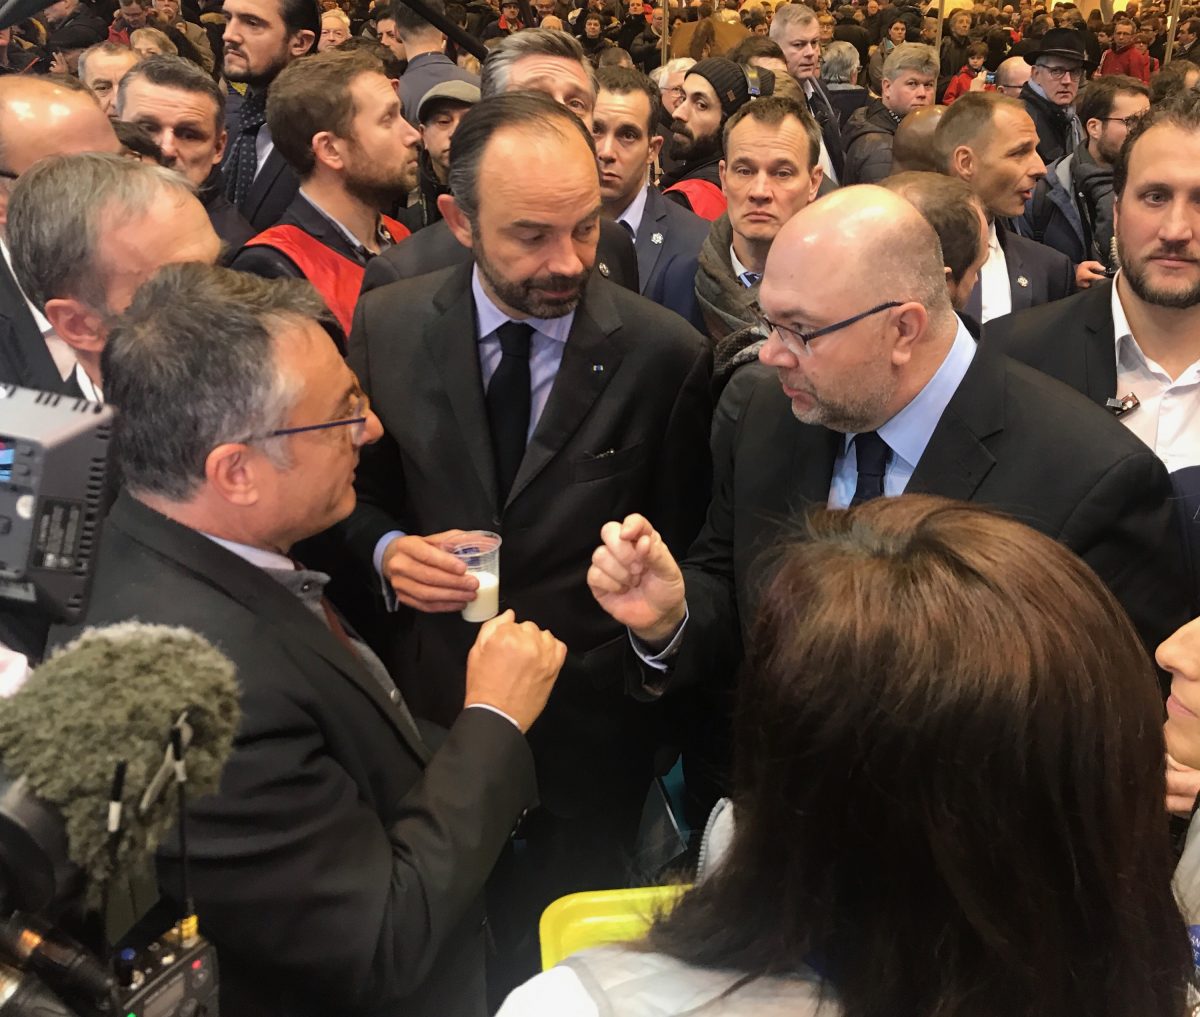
33, 116
867, 224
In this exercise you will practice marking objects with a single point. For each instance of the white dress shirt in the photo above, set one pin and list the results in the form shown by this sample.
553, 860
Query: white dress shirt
634, 211
824, 161
995, 289
1167, 417
91, 391
62, 354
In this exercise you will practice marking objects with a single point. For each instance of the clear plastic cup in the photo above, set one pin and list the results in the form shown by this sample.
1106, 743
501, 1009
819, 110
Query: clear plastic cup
480, 551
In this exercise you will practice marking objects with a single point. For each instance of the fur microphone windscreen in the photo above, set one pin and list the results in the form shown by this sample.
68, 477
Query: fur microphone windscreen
112, 695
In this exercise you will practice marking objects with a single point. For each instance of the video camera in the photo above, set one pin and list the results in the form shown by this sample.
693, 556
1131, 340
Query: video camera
53, 472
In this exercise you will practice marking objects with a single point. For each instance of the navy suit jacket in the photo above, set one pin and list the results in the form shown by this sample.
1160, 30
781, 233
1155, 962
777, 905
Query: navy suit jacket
24, 357
668, 243
1037, 274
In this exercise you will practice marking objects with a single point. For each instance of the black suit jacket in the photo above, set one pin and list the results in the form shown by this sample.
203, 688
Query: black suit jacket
435, 248
271, 263
1072, 340
822, 107
274, 187
668, 243
625, 427
24, 357
340, 867
1037, 274
1010, 439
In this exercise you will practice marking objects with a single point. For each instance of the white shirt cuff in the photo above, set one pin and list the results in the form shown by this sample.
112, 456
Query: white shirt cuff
389, 595
493, 709
660, 661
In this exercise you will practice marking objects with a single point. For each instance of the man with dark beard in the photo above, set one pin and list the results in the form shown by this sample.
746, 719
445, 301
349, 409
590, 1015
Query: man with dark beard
523, 394
1132, 344
261, 38
335, 117
714, 90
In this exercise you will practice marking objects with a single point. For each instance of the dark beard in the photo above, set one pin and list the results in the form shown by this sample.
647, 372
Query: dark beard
519, 296
1136, 276
260, 80
378, 191
688, 148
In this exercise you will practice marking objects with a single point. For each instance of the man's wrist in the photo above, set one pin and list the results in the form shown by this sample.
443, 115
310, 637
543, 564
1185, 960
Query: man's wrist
658, 638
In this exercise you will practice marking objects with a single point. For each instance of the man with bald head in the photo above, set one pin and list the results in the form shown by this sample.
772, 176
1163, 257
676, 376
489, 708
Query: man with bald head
39, 117
870, 394
912, 148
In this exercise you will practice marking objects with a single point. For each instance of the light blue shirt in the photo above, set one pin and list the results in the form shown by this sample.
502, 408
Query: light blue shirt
546, 347
909, 431
906, 434
635, 211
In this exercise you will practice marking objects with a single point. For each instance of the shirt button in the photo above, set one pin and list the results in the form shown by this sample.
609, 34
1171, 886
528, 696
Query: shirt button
394, 695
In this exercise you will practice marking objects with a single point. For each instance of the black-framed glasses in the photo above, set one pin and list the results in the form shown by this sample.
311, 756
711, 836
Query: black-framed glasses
1128, 121
800, 340
357, 422
1058, 73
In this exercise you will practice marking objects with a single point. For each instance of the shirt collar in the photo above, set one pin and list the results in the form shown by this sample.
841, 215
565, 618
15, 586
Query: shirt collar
740, 271
489, 317
1121, 329
258, 556
92, 392
635, 210
382, 236
43, 323
909, 431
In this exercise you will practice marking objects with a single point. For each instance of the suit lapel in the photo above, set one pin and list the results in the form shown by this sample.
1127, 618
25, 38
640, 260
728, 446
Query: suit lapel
589, 361
29, 355
452, 344
262, 596
956, 459
654, 223
814, 454
1018, 272
1100, 346
263, 183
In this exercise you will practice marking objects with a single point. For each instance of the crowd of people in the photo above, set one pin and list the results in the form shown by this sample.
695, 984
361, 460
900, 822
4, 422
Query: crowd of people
835, 394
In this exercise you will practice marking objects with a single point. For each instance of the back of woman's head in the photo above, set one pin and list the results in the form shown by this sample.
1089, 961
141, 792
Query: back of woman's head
948, 779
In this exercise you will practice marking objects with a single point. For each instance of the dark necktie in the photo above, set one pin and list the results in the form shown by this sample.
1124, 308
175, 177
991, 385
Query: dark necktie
508, 402
241, 165
873, 454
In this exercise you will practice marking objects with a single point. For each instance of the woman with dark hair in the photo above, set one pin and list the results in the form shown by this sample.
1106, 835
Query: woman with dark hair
948, 796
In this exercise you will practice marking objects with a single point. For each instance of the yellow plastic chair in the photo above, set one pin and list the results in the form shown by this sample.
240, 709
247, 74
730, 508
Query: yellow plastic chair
582, 920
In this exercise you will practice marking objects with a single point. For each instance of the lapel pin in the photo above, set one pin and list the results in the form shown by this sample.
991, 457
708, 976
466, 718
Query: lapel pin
656, 239
1022, 281
598, 368
603, 269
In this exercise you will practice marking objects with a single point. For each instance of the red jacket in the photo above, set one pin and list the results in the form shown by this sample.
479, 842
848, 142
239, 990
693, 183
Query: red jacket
960, 85
1129, 60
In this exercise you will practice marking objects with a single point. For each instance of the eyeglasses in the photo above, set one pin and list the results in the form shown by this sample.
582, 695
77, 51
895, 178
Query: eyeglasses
357, 422
1058, 73
800, 340
1128, 121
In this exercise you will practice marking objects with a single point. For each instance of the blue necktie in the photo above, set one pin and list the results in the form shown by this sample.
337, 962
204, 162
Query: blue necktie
873, 455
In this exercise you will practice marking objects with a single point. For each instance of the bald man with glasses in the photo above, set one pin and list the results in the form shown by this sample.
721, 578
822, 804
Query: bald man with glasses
860, 396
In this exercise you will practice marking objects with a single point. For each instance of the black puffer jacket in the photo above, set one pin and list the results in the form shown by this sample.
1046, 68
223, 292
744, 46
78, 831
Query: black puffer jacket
868, 137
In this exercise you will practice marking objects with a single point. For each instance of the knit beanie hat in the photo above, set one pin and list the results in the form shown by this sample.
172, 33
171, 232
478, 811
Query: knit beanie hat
729, 82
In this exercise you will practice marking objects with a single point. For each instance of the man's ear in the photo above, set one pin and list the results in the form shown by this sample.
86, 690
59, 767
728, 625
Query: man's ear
656, 144
219, 154
232, 472
325, 150
76, 323
911, 320
963, 163
721, 175
457, 220
301, 42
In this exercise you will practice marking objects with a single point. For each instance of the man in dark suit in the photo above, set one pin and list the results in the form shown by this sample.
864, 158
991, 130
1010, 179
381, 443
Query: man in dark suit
340, 867
334, 226
537, 60
883, 393
261, 38
663, 232
38, 118
523, 397
989, 141
798, 32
